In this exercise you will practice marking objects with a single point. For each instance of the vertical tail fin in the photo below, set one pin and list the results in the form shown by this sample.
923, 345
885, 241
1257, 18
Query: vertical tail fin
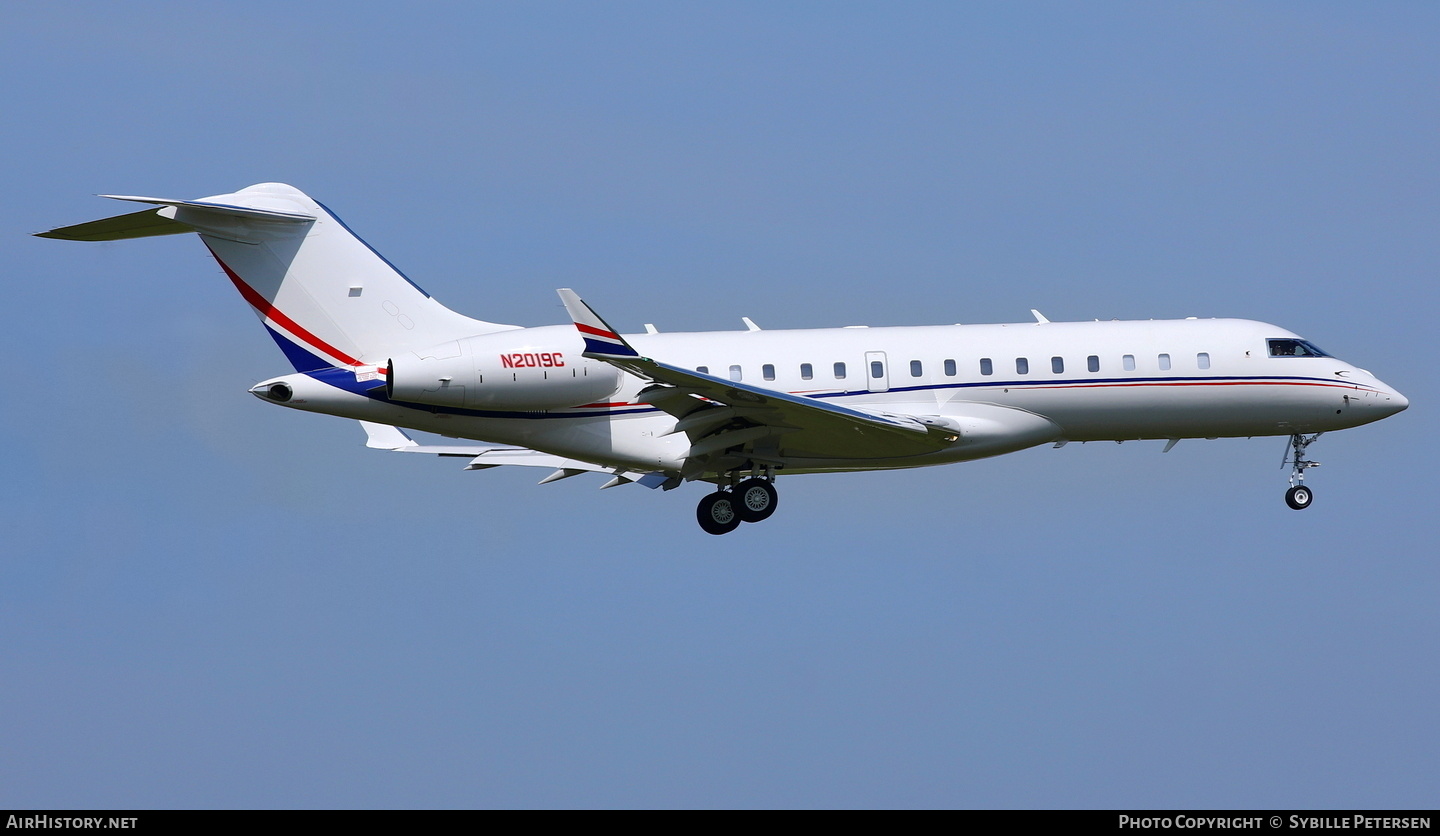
325, 295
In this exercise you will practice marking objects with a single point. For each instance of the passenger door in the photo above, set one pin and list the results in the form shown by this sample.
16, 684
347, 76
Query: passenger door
877, 372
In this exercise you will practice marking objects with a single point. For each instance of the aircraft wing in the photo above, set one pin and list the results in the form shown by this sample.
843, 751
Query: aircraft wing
387, 437
767, 424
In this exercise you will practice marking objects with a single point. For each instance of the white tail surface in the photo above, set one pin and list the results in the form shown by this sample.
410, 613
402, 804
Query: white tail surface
323, 293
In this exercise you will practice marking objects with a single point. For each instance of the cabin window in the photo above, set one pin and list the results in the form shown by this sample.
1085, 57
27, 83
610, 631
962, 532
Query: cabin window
1294, 348
1022, 365
986, 367
916, 369
1128, 361
1164, 362
767, 371
877, 369
735, 373
1093, 363
949, 368
1057, 365
703, 369
839, 371
1203, 360
807, 371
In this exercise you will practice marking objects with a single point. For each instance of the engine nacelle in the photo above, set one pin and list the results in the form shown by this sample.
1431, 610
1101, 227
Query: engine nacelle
528, 370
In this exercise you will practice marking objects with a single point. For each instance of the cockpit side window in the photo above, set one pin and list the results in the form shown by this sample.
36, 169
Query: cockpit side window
1294, 348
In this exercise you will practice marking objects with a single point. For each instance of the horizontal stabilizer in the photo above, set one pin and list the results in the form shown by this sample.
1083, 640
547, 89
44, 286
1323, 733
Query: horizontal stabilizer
152, 222
134, 225
219, 208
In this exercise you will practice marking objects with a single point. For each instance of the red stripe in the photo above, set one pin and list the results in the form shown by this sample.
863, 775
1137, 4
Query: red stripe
269, 311
586, 329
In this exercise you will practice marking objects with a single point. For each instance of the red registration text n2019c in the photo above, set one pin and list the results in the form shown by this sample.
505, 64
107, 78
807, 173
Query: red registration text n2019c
518, 360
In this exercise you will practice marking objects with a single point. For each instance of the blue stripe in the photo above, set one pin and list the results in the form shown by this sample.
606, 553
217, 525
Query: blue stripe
594, 346
301, 359
1030, 384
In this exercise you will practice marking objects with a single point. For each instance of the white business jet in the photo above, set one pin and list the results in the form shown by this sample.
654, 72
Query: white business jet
734, 409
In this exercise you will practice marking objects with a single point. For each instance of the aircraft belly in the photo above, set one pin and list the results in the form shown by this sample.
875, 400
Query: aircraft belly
797, 464
852, 444
1189, 411
983, 429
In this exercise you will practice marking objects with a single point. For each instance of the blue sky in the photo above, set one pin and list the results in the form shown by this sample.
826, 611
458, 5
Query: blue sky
205, 601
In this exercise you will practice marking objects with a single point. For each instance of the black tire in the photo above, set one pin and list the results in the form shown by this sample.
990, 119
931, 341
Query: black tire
1299, 497
716, 513
755, 500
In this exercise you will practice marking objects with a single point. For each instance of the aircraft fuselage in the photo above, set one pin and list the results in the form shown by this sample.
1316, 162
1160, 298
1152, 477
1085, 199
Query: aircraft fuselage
1091, 381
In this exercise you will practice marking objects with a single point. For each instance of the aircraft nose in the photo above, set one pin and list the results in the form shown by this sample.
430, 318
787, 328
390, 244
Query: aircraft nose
1390, 401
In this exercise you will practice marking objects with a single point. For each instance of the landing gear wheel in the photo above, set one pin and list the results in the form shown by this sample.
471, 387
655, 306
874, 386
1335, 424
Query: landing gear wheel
717, 513
755, 500
1299, 497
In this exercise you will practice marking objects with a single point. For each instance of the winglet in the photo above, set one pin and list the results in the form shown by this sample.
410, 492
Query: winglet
601, 340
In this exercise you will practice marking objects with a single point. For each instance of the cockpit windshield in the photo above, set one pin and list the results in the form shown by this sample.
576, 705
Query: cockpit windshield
1294, 348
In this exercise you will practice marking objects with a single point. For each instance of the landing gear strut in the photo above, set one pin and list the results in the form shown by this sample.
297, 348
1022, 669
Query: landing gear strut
752, 500
1299, 496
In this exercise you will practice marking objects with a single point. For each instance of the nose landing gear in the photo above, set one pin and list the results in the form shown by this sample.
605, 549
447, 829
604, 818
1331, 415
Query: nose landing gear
752, 500
1299, 496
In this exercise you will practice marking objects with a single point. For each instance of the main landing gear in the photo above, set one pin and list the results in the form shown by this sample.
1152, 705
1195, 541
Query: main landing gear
1299, 496
752, 500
